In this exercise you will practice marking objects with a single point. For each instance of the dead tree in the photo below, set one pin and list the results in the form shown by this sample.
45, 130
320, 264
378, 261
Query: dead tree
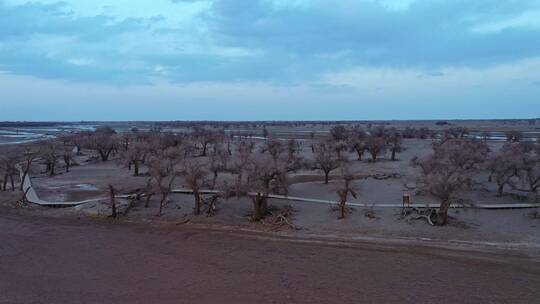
28, 158
238, 164
454, 133
163, 172
8, 168
67, 157
326, 159
357, 142
339, 133
273, 146
265, 176
50, 155
504, 166
395, 143
196, 177
344, 191
103, 141
218, 163
529, 169
204, 138
375, 146
134, 156
449, 170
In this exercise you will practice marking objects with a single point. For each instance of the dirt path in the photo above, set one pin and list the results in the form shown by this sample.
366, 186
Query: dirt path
83, 261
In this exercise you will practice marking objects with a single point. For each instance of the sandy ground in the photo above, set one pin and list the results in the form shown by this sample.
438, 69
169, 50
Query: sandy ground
80, 261
515, 227
66, 255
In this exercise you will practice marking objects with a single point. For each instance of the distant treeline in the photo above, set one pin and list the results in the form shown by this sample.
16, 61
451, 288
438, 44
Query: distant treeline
18, 124
227, 124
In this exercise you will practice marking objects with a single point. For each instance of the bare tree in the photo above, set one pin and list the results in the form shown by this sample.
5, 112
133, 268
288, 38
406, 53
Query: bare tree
73, 141
346, 189
67, 154
265, 176
196, 177
339, 133
8, 167
326, 159
378, 131
204, 138
455, 133
103, 141
395, 143
162, 169
529, 168
134, 156
504, 165
375, 145
273, 146
218, 163
50, 155
357, 142
294, 147
238, 164
27, 160
449, 170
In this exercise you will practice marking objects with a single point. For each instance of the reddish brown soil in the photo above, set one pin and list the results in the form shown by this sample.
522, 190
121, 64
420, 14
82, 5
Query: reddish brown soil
83, 261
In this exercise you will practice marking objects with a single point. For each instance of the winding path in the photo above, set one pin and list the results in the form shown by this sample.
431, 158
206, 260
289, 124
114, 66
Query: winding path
32, 197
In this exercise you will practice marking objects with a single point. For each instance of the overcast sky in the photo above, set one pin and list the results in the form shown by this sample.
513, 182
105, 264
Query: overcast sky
269, 59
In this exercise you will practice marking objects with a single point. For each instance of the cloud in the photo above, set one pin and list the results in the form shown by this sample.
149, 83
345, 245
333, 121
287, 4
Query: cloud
429, 33
275, 41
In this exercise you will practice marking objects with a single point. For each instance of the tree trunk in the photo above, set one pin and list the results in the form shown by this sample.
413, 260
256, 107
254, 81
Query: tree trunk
197, 209
136, 168
264, 206
442, 213
359, 152
161, 202
204, 150
259, 207
105, 154
500, 190
5, 181
25, 174
326, 173
393, 155
148, 197
12, 182
341, 210
214, 179
113, 202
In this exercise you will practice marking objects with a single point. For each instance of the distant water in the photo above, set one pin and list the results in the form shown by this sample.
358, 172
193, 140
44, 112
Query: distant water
23, 135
